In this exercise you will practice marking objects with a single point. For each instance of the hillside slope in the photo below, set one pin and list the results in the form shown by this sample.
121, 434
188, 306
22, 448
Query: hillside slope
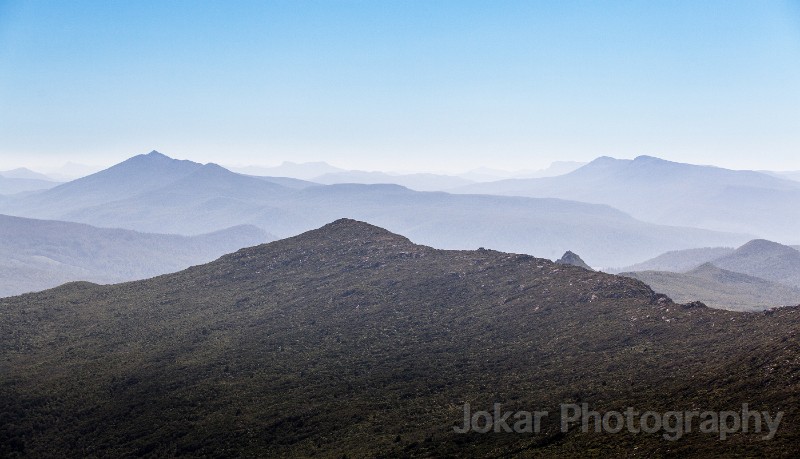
351, 340
40, 254
679, 261
765, 259
719, 288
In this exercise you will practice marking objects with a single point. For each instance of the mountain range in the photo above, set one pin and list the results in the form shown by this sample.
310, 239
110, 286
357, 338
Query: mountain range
323, 172
765, 259
154, 193
351, 340
40, 254
302, 171
678, 261
25, 173
440, 182
665, 192
720, 288
22, 180
418, 182
791, 175
758, 275
760, 258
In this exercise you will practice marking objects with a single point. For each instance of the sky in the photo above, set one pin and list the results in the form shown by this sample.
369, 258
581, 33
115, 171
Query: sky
400, 85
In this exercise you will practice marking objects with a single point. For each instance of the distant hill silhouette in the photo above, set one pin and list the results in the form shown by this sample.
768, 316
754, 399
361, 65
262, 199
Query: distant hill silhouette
288, 182
791, 175
759, 274
154, 193
302, 171
40, 254
765, 259
324, 173
129, 178
13, 185
351, 340
666, 192
24, 173
485, 174
719, 288
570, 258
418, 182
679, 261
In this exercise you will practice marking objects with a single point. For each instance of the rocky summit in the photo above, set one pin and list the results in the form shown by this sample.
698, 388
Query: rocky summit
573, 259
351, 340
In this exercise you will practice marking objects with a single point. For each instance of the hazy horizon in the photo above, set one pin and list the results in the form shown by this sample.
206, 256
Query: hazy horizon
423, 86
70, 169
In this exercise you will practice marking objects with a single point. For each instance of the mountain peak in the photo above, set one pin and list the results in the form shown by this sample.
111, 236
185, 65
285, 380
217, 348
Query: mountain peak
763, 245
123, 180
712, 272
706, 268
347, 236
24, 173
765, 259
649, 158
156, 157
571, 258
347, 228
151, 157
604, 160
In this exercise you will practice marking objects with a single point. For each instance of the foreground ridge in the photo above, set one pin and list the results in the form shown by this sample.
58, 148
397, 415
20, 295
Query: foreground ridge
350, 339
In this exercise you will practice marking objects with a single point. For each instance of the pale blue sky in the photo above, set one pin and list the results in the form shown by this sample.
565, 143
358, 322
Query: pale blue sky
425, 85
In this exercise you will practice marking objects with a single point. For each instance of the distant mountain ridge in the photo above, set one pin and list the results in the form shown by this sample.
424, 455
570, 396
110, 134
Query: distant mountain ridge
124, 180
14, 185
719, 288
765, 259
417, 182
154, 193
25, 173
665, 192
420, 181
302, 171
679, 261
758, 274
40, 254
791, 175
485, 174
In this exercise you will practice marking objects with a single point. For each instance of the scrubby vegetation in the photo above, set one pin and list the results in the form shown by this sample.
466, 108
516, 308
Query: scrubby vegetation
352, 341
